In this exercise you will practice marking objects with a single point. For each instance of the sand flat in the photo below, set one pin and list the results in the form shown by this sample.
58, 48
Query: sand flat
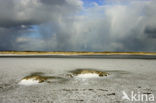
127, 75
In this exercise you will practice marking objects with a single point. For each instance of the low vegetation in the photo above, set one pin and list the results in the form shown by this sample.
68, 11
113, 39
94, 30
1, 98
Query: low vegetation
75, 53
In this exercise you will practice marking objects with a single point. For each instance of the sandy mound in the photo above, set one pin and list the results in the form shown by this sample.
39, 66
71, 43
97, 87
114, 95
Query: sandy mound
87, 73
36, 78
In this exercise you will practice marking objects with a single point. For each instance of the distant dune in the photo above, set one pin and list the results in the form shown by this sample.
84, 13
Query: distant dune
73, 53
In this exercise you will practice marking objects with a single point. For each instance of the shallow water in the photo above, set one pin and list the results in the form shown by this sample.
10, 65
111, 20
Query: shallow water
127, 75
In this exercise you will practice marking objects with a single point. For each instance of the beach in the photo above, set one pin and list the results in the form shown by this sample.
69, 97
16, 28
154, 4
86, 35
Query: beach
126, 75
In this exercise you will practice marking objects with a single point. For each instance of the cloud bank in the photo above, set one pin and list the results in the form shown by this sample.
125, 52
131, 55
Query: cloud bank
69, 25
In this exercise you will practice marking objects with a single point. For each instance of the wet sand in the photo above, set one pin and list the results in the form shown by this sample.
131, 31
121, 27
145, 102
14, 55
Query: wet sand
128, 74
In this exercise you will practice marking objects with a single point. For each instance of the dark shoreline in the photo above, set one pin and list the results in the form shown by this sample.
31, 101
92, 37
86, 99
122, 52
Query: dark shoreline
83, 56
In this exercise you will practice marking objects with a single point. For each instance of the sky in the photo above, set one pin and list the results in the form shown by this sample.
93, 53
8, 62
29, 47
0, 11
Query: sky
78, 25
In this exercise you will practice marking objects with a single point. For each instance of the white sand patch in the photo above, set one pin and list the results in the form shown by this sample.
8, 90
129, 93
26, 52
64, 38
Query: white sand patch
28, 82
88, 75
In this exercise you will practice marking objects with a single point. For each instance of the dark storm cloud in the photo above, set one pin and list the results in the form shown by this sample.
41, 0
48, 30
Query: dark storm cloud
64, 25
16, 16
53, 2
8, 38
30, 12
151, 32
